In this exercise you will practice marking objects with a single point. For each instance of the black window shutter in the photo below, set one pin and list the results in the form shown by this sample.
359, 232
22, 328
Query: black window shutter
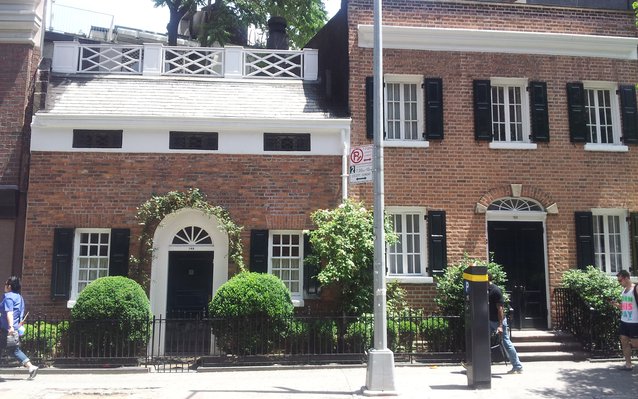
540, 115
370, 107
118, 259
433, 94
62, 263
633, 225
437, 243
629, 114
482, 110
577, 112
584, 239
310, 271
259, 251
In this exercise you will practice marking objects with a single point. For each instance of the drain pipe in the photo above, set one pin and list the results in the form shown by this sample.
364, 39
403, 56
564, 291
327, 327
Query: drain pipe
345, 140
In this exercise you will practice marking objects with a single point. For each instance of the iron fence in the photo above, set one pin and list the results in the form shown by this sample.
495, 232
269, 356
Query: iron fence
191, 341
596, 331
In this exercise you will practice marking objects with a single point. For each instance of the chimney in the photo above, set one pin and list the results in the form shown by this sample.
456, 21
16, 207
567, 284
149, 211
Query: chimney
277, 37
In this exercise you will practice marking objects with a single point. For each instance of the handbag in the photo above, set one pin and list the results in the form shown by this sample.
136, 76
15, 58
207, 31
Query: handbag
13, 340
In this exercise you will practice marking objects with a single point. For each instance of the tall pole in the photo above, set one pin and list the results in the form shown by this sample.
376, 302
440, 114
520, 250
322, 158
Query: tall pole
380, 371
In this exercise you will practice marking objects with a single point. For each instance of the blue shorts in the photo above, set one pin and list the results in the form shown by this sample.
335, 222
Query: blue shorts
629, 329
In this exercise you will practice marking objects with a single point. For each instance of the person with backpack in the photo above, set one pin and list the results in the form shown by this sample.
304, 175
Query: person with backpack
628, 306
11, 311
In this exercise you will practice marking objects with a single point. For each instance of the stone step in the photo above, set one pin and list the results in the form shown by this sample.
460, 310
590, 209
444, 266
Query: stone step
540, 335
547, 346
552, 356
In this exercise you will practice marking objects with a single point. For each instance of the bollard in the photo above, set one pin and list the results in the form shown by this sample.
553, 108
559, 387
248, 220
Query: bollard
477, 328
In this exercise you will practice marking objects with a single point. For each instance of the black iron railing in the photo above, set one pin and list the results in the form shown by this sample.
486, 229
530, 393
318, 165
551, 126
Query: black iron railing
182, 343
596, 331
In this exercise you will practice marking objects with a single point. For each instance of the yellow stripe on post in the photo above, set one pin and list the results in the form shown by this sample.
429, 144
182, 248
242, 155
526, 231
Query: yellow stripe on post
475, 277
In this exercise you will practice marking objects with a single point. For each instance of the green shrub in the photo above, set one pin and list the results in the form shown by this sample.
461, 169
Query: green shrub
111, 310
407, 333
252, 311
435, 331
359, 334
594, 286
450, 294
43, 339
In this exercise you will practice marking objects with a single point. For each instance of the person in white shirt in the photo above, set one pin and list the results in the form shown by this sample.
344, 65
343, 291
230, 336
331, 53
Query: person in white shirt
628, 318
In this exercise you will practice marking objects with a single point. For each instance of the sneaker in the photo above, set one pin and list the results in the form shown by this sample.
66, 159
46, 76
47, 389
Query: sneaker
33, 371
515, 371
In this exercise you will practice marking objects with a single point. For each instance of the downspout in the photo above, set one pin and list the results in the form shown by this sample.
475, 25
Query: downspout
345, 140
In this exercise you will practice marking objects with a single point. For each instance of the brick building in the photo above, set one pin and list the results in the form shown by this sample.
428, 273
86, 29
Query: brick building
510, 128
20, 47
124, 122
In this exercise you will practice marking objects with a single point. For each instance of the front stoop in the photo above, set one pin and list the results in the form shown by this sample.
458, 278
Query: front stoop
542, 345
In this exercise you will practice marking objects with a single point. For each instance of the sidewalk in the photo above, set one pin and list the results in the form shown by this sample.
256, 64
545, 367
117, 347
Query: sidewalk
540, 380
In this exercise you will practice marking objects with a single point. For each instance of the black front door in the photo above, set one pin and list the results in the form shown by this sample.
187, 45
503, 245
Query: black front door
190, 288
518, 247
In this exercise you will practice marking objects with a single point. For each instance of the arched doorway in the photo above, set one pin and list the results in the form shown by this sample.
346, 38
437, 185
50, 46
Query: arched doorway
190, 262
517, 241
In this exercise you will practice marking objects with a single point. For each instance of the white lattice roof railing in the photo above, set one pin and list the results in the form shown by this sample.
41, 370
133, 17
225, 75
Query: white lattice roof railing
154, 59
269, 64
102, 58
193, 61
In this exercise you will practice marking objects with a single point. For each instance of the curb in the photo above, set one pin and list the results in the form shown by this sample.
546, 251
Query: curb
56, 370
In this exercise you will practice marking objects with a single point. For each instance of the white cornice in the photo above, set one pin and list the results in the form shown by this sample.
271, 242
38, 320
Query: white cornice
20, 21
497, 41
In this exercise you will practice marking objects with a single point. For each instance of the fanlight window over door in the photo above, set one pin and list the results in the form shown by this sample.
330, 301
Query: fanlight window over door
192, 235
515, 204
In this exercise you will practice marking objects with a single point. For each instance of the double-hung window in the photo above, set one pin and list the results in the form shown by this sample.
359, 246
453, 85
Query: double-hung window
602, 111
404, 110
91, 260
611, 240
406, 257
286, 261
510, 112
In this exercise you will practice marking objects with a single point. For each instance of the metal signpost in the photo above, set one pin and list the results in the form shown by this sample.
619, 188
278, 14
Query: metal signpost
380, 371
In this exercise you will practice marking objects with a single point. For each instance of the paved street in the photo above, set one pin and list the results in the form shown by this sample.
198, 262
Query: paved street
540, 380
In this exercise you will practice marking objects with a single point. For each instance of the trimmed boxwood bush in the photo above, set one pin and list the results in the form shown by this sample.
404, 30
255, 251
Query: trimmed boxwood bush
251, 312
109, 312
42, 339
435, 331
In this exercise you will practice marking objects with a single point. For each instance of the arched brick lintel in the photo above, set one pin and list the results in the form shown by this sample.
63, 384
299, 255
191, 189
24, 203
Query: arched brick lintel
508, 190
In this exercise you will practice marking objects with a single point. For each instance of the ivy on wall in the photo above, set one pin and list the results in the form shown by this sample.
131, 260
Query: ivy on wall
153, 211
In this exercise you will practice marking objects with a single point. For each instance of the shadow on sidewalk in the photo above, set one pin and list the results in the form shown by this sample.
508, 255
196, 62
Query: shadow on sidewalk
595, 382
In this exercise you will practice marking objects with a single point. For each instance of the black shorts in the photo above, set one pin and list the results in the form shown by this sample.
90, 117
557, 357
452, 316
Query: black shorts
629, 329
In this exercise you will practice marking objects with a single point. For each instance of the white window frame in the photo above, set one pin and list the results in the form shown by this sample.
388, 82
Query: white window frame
508, 144
623, 232
296, 297
617, 145
422, 277
420, 113
75, 274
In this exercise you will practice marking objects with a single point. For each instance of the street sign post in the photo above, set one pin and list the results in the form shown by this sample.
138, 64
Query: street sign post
360, 169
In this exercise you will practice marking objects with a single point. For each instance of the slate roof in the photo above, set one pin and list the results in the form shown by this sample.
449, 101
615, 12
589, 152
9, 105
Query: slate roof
184, 97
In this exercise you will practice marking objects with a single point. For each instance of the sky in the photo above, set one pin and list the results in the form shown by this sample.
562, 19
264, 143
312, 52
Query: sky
140, 14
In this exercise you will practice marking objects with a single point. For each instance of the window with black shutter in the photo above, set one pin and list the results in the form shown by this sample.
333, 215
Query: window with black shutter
482, 110
577, 112
437, 242
62, 263
584, 239
119, 251
629, 114
633, 228
311, 286
539, 111
433, 91
259, 251
85, 138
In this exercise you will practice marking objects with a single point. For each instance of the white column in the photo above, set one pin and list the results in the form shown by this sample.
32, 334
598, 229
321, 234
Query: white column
153, 59
65, 57
310, 64
233, 62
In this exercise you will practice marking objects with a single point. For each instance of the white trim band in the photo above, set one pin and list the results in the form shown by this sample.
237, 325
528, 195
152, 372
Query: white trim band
498, 41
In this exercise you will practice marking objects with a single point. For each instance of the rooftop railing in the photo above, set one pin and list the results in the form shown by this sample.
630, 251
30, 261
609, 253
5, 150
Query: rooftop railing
157, 60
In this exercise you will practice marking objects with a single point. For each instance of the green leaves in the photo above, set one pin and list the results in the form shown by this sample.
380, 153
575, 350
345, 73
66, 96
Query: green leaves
594, 286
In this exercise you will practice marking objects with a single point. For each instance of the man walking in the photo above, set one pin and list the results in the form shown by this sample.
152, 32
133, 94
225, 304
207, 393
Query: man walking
628, 317
498, 323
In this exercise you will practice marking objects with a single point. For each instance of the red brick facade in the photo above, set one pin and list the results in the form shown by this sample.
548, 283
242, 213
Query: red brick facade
456, 173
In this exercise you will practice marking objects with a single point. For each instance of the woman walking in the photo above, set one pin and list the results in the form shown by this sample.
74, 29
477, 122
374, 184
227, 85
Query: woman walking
12, 310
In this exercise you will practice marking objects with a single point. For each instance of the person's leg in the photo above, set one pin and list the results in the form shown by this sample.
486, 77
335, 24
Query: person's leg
625, 342
509, 348
18, 354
